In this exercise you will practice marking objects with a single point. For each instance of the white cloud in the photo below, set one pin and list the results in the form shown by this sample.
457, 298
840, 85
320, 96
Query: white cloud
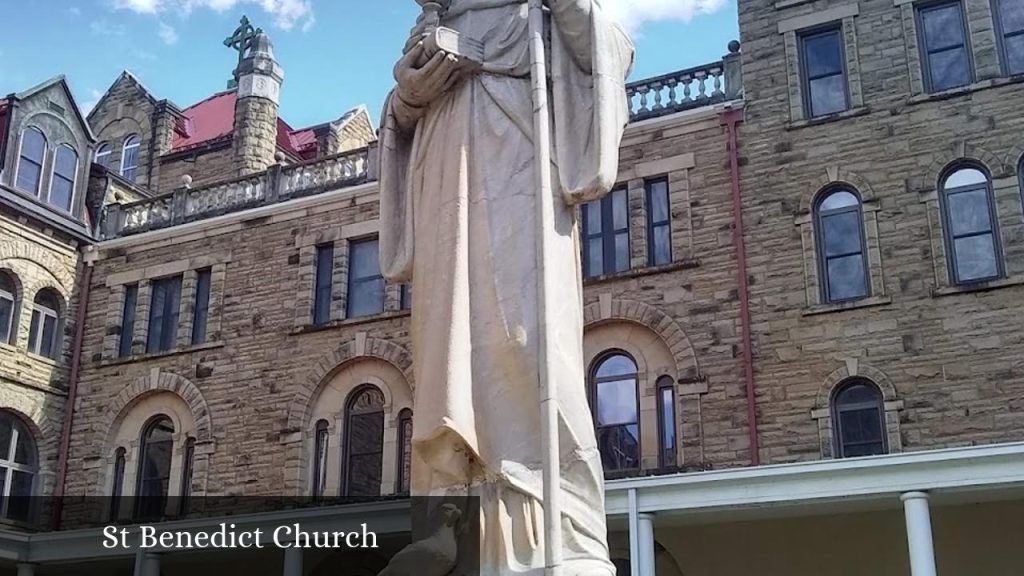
168, 34
633, 14
75, 11
107, 29
286, 13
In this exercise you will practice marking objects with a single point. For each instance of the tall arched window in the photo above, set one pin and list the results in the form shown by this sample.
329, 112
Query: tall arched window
321, 438
8, 307
667, 443
154, 477
117, 486
62, 180
615, 401
104, 152
841, 253
43, 334
30, 160
858, 415
404, 451
130, 158
18, 467
972, 241
364, 442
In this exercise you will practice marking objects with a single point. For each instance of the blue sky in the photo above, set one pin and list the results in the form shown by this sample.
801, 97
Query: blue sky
336, 53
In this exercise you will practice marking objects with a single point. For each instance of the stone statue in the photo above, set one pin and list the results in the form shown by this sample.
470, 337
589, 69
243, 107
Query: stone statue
458, 219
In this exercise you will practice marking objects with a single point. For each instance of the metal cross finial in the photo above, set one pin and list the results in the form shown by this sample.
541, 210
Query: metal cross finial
241, 39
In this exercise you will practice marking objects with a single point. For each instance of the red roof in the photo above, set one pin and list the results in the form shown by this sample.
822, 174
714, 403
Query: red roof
214, 119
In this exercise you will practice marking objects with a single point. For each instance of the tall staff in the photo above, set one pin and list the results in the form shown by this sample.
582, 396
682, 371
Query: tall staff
545, 293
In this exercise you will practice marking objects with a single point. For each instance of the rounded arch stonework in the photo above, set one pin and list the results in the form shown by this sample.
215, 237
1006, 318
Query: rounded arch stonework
822, 411
963, 152
854, 369
620, 310
330, 363
159, 381
62, 274
834, 177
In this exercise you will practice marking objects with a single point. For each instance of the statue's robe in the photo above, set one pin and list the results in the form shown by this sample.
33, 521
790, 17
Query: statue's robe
458, 218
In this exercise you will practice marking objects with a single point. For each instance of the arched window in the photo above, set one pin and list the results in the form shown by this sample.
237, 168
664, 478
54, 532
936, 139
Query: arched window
972, 242
667, 443
130, 158
364, 442
18, 467
8, 307
841, 253
858, 415
117, 486
104, 153
185, 497
43, 334
154, 478
404, 451
30, 160
320, 445
615, 401
62, 180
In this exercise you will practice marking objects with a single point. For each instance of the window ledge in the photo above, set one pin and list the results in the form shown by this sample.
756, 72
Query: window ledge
645, 271
154, 355
968, 89
852, 305
978, 287
311, 328
851, 113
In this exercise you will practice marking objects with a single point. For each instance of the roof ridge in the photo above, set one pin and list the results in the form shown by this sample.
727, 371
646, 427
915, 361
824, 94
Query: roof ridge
210, 97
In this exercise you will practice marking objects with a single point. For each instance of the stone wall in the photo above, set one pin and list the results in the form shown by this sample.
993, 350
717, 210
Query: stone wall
255, 138
206, 165
127, 109
945, 356
266, 371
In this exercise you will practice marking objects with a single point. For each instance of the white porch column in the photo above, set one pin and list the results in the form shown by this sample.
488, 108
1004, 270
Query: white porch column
25, 569
645, 544
293, 561
150, 564
919, 534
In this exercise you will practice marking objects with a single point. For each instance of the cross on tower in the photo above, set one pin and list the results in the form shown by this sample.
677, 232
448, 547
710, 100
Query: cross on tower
241, 39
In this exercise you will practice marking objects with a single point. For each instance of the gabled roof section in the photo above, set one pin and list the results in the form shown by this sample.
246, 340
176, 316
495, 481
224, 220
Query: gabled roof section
130, 78
62, 81
213, 119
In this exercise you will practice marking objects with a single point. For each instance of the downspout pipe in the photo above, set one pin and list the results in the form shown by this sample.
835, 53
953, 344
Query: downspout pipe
69, 405
731, 119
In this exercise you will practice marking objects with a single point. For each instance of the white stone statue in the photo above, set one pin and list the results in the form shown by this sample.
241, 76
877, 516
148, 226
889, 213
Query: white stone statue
459, 220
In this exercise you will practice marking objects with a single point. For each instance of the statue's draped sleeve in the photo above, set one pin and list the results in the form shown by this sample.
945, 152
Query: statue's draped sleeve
590, 58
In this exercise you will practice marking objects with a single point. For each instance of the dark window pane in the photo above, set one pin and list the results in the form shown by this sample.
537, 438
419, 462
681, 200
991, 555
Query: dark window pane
320, 459
366, 298
619, 446
595, 257
969, 212
365, 259
6, 318
616, 402
20, 503
28, 176
405, 454
667, 420
866, 449
1011, 16
130, 158
201, 313
658, 193
155, 469
846, 279
33, 332
592, 217
824, 54
1014, 47
366, 286
365, 453
103, 155
405, 297
620, 209
163, 314
48, 341
861, 425
943, 27
828, 95
949, 69
842, 233
131, 294
324, 278
621, 252
662, 246
975, 258
857, 394
30, 164
6, 432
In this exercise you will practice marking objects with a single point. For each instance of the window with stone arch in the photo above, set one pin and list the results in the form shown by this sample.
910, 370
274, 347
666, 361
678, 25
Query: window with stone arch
858, 415
104, 153
970, 224
363, 455
841, 246
44, 331
19, 468
30, 160
615, 402
63, 175
8, 307
321, 442
404, 462
153, 480
130, 158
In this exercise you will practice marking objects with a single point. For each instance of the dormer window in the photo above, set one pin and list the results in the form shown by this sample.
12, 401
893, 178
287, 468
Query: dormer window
130, 158
30, 160
62, 182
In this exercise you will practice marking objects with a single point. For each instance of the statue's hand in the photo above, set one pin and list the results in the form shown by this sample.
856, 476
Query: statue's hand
419, 86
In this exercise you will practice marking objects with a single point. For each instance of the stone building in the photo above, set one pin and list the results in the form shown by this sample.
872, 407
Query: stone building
800, 307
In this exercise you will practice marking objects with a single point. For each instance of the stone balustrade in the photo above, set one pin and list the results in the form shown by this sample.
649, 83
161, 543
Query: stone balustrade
650, 98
